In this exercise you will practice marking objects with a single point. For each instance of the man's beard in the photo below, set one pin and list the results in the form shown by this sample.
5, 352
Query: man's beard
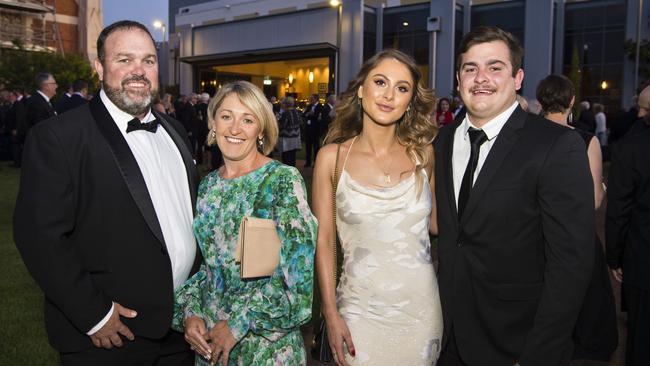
120, 97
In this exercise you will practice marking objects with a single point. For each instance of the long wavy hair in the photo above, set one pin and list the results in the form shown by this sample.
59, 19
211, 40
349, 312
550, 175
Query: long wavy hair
414, 129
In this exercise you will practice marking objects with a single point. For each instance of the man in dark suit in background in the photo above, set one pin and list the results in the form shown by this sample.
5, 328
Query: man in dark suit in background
628, 232
202, 128
104, 213
515, 208
15, 125
312, 140
39, 106
77, 98
587, 120
326, 114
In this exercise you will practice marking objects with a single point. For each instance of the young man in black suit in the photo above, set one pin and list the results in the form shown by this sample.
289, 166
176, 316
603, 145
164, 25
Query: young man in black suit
515, 208
104, 212
628, 232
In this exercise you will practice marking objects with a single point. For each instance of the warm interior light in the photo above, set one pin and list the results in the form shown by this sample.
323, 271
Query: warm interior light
311, 76
290, 78
157, 24
406, 24
335, 2
604, 85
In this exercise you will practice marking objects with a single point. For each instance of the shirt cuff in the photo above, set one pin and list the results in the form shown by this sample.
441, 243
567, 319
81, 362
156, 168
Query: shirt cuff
102, 322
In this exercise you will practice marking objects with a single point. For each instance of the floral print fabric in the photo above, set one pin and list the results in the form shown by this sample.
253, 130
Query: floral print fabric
264, 315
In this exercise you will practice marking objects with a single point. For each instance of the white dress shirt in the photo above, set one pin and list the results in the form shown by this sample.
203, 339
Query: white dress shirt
165, 175
462, 147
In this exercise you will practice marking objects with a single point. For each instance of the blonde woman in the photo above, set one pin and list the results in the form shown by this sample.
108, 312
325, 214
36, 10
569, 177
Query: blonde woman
386, 309
226, 319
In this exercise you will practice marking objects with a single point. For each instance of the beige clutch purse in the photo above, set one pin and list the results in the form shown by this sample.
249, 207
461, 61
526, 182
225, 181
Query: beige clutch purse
258, 248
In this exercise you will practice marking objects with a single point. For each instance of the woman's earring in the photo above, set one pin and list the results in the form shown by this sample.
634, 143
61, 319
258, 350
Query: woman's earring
213, 134
359, 101
407, 114
260, 144
570, 118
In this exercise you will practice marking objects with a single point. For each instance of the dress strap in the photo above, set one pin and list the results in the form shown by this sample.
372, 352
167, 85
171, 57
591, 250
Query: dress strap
348, 153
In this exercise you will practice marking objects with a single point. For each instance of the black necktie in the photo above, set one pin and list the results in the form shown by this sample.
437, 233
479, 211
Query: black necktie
135, 125
476, 139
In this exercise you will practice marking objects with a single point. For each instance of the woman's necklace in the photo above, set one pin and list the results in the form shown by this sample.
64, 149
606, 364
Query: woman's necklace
386, 171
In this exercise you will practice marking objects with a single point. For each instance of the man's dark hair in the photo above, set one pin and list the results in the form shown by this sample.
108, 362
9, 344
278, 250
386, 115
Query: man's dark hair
121, 25
486, 34
41, 78
79, 85
554, 94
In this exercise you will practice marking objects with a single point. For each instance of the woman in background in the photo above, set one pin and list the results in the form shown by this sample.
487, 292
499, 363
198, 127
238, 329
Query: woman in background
289, 124
444, 116
596, 333
225, 318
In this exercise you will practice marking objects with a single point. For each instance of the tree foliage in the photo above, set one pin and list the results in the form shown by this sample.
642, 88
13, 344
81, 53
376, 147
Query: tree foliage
19, 66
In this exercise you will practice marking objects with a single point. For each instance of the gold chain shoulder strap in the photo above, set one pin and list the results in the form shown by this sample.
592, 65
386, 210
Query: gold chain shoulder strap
335, 181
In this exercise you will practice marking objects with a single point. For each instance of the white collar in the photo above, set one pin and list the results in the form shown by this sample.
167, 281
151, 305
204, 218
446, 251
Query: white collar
491, 127
47, 99
120, 117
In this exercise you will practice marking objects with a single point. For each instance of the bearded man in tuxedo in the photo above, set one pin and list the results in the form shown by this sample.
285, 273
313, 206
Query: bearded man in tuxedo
104, 212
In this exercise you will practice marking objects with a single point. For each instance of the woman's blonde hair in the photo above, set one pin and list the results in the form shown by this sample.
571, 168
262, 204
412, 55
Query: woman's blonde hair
252, 97
414, 130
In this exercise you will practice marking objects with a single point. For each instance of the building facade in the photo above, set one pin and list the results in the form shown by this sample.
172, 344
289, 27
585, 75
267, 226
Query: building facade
63, 26
300, 47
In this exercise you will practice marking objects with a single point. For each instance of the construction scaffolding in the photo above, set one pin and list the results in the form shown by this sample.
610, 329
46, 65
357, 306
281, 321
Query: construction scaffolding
23, 23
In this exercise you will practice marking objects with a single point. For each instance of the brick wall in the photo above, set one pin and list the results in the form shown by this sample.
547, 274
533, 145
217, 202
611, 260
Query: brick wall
65, 7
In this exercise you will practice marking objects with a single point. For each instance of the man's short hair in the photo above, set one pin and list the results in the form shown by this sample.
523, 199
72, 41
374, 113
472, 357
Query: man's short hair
41, 78
79, 85
120, 25
584, 105
486, 34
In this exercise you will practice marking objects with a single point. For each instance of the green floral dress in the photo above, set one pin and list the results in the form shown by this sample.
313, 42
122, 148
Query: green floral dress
263, 315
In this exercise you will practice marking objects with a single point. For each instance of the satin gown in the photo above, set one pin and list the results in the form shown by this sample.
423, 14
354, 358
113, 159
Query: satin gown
388, 291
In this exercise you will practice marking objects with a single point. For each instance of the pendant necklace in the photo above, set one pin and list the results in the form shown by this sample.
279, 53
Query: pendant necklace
386, 172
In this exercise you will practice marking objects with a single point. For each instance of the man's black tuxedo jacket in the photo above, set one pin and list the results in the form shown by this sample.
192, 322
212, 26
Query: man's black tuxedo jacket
515, 267
628, 209
87, 230
38, 109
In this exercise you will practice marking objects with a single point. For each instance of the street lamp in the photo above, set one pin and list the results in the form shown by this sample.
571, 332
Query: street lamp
160, 24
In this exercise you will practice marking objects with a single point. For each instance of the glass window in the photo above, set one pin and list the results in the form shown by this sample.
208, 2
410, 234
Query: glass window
600, 25
369, 34
405, 28
508, 16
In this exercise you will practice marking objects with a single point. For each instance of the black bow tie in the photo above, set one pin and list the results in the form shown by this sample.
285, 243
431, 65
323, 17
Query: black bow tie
135, 125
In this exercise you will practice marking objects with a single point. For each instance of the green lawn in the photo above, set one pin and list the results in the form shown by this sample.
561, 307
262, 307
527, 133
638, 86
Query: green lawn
22, 333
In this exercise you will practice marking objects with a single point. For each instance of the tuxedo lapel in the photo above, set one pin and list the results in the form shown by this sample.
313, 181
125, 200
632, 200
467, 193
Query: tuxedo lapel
186, 155
127, 165
506, 139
